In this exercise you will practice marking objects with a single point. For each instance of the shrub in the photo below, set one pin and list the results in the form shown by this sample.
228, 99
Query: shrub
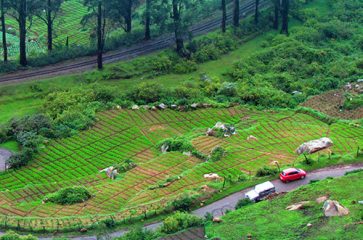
138, 234
183, 203
180, 221
125, 166
69, 196
243, 202
14, 236
109, 222
266, 171
176, 145
185, 66
20, 159
146, 93
217, 154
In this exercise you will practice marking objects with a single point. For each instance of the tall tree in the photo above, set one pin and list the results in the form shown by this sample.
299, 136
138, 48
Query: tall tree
98, 13
224, 15
3, 30
147, 20
47, 11
257, 11
178, 31
236, 13
21, 10
276, 13
121, 13
285, 16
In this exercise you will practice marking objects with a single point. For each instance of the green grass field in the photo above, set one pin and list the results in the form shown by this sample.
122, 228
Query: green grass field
127, 134
270, 219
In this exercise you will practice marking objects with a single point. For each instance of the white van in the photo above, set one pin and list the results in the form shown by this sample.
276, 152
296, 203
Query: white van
261, 191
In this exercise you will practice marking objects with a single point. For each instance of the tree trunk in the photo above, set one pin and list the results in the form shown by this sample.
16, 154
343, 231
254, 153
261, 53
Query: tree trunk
50, 26
257, 13
224, 16
236, 13
177, 29
22, 29
277, 14
99, 37
128, 17
3, 30
285, 17
147, 20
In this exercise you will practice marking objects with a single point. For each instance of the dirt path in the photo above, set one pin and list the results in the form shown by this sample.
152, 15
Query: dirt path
219, 207
4, 155
87, 63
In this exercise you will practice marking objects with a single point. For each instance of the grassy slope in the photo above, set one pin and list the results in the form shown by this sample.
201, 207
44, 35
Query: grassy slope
270, 220
27, 101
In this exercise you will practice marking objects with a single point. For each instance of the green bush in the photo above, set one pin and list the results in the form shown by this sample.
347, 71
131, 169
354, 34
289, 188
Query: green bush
69, 196
266, 171
243, 202
14, 236
179, 221
185, 66
138, 234
183, 203
217, 154
176, 145
125, 166
146, 93
109, 222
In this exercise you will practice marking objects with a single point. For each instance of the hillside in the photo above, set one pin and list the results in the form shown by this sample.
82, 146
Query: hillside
270, 219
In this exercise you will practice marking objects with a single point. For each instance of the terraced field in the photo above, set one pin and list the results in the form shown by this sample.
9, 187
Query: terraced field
127, 134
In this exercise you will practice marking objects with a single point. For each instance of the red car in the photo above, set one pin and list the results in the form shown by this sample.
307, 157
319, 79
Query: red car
292, 174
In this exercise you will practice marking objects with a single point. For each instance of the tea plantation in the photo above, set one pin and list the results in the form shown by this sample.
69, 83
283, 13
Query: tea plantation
128, 134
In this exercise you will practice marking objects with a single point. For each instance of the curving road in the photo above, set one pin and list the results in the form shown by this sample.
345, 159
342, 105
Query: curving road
219, 207
86, 63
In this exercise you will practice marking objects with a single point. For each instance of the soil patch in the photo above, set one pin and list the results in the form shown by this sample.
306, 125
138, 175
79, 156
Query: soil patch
330, 103
4, 155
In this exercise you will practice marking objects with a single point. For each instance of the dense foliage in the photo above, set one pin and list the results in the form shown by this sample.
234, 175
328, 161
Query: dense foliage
69, 196
14, 236
179, 221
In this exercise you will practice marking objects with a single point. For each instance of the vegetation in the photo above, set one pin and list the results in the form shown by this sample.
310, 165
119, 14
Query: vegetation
79, 130
270, 219
69, 196
179, 221
14, 236
77, 160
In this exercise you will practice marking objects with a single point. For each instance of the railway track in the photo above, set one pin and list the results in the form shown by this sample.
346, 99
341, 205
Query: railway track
166, 41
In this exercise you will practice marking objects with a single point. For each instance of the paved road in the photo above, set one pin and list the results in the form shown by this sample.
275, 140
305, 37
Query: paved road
4, 155
219, 207
86, 63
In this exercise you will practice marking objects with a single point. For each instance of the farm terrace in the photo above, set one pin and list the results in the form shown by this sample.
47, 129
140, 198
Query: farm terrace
128, 134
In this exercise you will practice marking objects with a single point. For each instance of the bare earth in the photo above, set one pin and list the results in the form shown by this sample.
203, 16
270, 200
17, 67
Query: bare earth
329, 104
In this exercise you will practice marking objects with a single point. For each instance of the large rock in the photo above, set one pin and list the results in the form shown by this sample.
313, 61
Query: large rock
314, 146
4, 156
212, 176
298, 206
333, 208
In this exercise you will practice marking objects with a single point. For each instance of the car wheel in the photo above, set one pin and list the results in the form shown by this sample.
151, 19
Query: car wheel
302, 177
